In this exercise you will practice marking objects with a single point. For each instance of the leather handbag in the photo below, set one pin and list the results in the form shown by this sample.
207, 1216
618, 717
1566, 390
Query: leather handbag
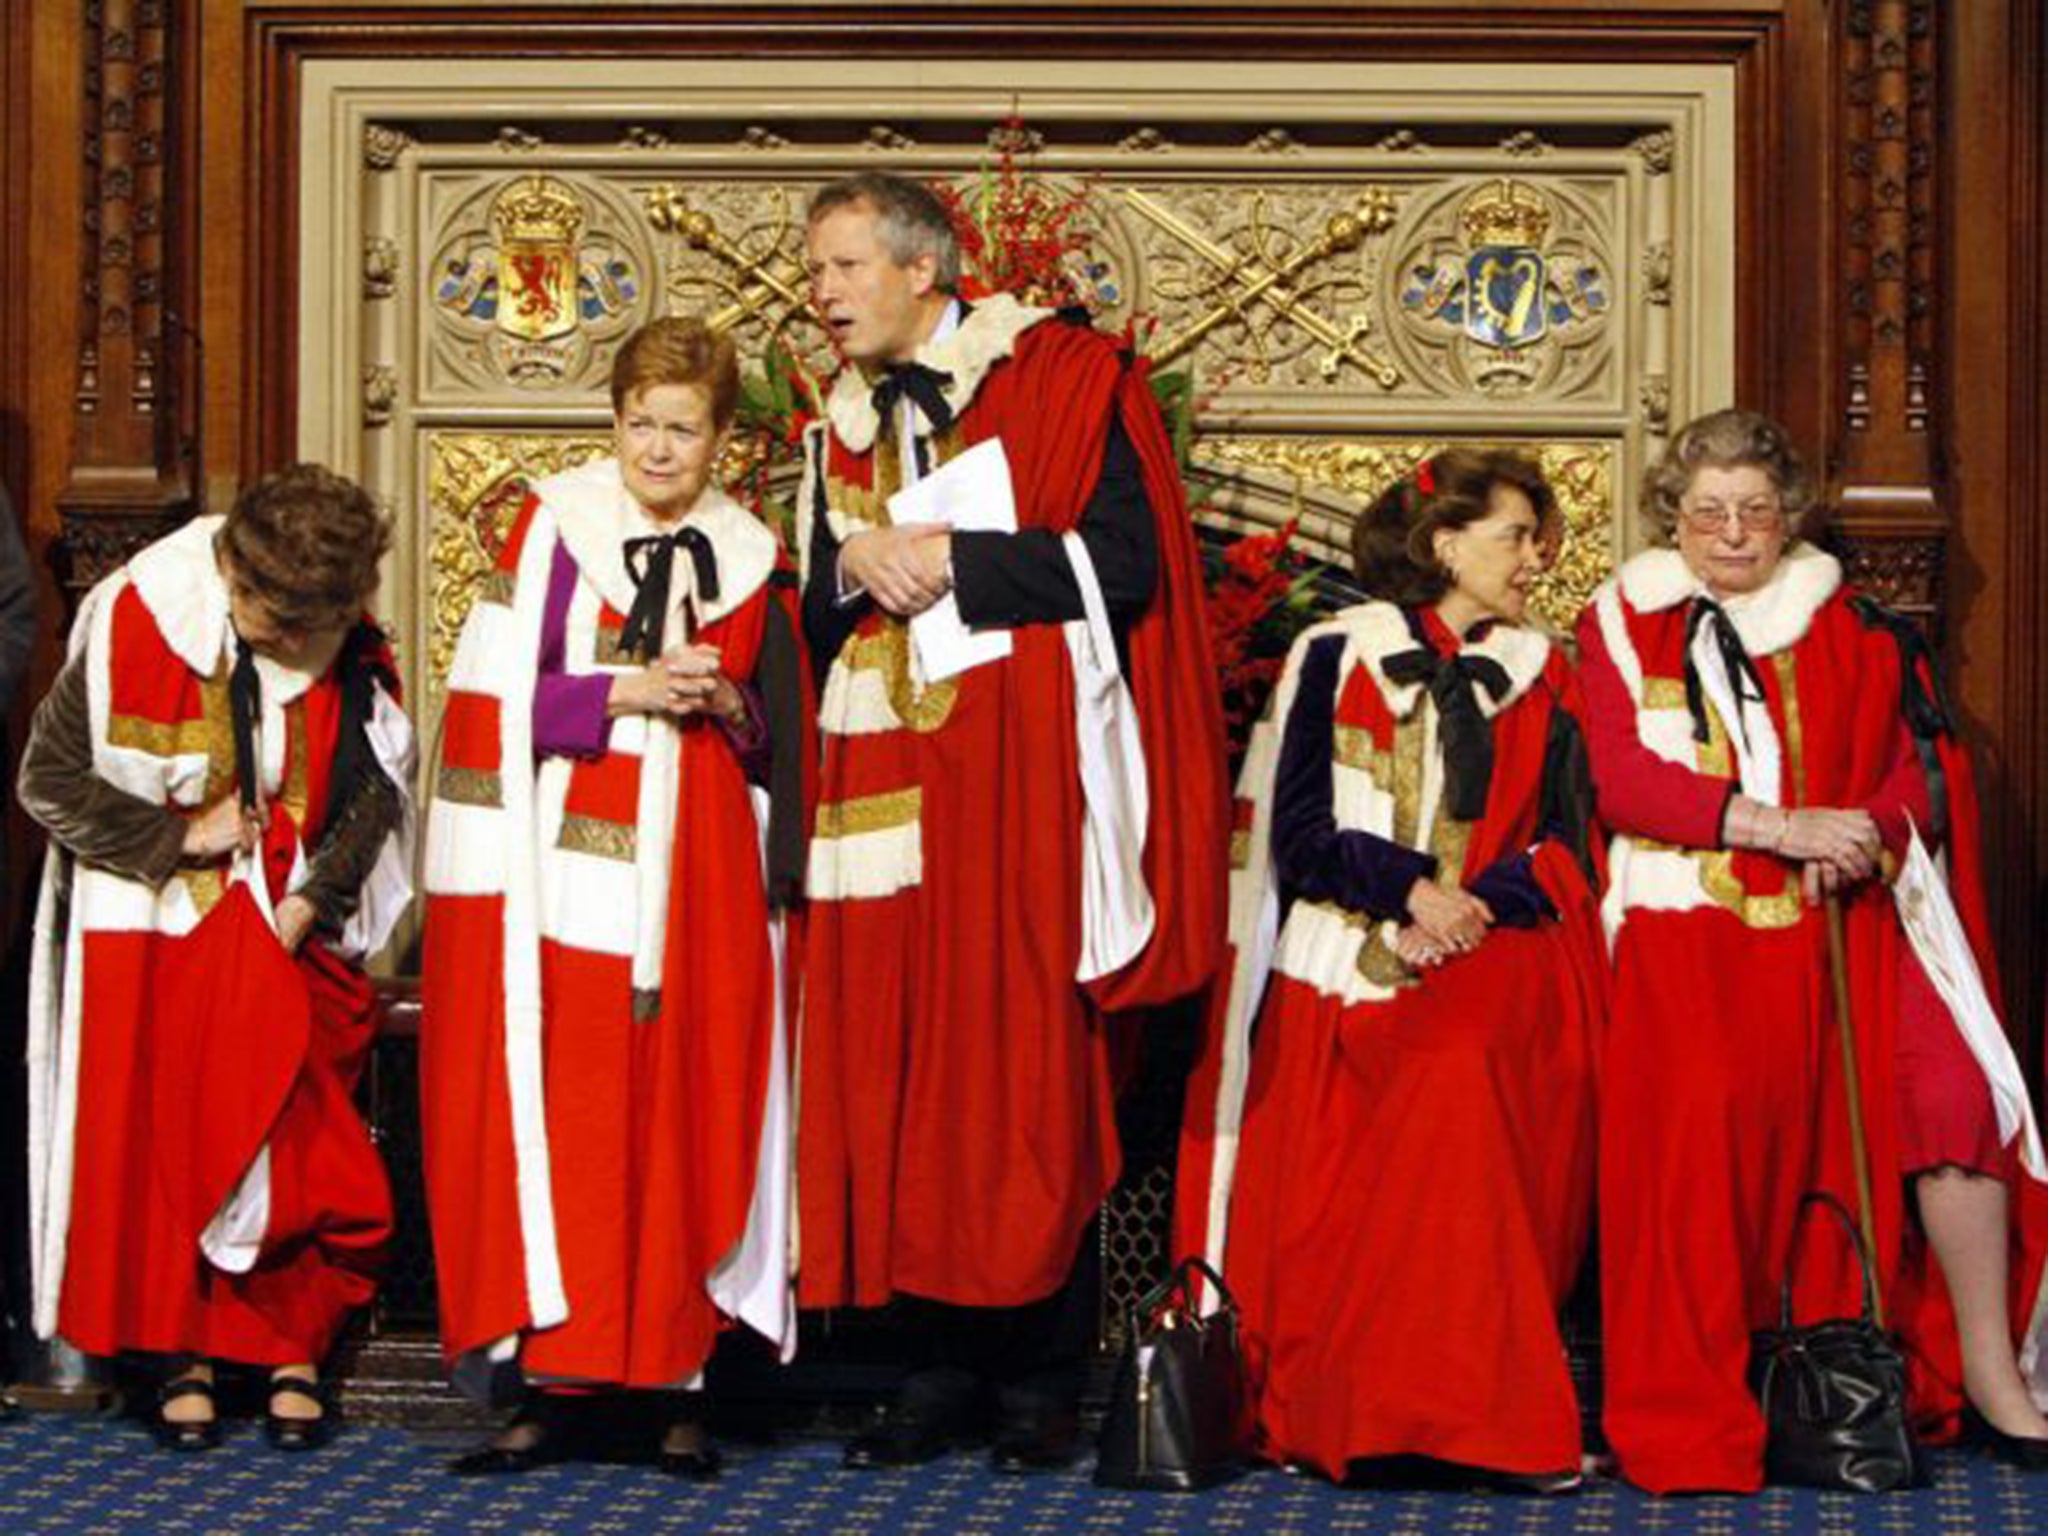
1833, 1393
1175, 1418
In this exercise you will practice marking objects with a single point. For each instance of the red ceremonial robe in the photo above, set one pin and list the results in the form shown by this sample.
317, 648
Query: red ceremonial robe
603, 1054
1394, 1172
201, 1181
1724, 1097
957, 1122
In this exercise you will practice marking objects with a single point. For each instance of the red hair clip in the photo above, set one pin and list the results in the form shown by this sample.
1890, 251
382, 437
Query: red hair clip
1425, 477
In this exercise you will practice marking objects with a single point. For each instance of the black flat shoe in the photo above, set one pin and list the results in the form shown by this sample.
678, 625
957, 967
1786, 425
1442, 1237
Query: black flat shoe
1047, 1443
202, 1435
699, 1466
2029, 1453
494, 1460
899, 1438
297, 1434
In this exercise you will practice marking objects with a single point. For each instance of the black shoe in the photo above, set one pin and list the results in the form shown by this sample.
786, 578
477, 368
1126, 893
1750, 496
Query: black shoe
899, 1437
297, 1434
1046, 1442
2029, 1453
202, 1435
699, 1466
10, 1408
494, 1460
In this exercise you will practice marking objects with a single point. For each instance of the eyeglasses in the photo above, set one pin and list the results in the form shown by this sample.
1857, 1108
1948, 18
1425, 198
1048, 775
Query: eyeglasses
1759, 514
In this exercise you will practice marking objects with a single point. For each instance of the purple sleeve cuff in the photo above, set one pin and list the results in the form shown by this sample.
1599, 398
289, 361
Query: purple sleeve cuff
569, 718
750, 740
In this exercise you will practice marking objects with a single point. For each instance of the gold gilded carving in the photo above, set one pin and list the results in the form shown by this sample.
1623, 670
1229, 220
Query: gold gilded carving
758, 279
1253, 281
1504, 288
537, 220
1580, 474
475, 482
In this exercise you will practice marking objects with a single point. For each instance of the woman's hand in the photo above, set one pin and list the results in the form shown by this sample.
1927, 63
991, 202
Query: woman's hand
295, 917
1416, 949
220, 829
1455, 921
697, 687
1836, 848
640, 692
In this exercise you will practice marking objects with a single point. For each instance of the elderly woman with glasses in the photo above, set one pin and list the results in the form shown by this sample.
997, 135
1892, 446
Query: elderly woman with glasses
1765, 740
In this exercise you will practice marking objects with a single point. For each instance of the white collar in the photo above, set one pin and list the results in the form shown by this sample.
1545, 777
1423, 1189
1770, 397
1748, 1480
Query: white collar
179, 581
595, 515
983, 337
1377, 630
1769, 619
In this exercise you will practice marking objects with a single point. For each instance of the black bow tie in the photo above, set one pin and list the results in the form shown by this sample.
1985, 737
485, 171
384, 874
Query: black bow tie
1466, 736
922, 385
651, 562
245, 706
1742, 673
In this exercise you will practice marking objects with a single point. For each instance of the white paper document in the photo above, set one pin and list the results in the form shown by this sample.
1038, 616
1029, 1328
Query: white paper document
970, 493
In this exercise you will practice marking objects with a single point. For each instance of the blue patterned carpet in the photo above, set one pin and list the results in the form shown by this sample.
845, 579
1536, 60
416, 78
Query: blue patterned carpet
66, 1474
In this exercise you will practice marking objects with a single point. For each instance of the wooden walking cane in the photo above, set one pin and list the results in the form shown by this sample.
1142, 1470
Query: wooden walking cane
1859, 1149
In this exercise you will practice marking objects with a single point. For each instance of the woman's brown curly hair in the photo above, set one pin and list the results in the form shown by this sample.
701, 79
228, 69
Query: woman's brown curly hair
306, 542
1393, 543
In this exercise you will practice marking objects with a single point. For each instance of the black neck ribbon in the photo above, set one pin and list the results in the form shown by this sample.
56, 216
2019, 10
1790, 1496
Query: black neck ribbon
245, 708
920, 383
1465, 732
1743, 676
651, 562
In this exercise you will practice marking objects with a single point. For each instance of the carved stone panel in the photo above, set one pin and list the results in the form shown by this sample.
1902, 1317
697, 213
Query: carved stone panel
1349, 263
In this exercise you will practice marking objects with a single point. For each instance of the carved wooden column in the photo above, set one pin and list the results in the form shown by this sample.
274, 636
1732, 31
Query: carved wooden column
131, 478
1890, 462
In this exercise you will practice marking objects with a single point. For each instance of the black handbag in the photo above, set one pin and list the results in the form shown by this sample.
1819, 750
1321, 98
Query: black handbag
1175, 1415
1833, 1393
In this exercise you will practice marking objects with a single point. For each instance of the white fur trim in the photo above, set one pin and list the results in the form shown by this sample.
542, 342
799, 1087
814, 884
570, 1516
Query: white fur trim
547, 1302
866, 865
753, 1282
594, 515
986, 337
1769, 619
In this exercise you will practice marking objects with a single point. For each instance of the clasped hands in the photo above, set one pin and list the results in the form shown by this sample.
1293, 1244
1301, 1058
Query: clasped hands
906, 568
684, 680
1835, 848
226, 827
1444, 923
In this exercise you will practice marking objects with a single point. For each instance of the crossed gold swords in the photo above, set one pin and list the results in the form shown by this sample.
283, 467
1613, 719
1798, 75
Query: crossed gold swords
767, 279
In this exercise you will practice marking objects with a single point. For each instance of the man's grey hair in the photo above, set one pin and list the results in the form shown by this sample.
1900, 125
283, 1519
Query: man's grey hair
910, 221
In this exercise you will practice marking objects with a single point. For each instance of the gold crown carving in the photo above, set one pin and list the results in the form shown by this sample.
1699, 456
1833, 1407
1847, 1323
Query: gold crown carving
537, 208
1505, 213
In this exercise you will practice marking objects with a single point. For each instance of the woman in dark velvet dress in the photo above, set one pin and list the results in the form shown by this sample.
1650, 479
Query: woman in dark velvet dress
1399, 1190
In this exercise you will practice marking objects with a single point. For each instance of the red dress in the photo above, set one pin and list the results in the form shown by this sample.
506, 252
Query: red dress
1725, 1099
957, 1125
1398, 1196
